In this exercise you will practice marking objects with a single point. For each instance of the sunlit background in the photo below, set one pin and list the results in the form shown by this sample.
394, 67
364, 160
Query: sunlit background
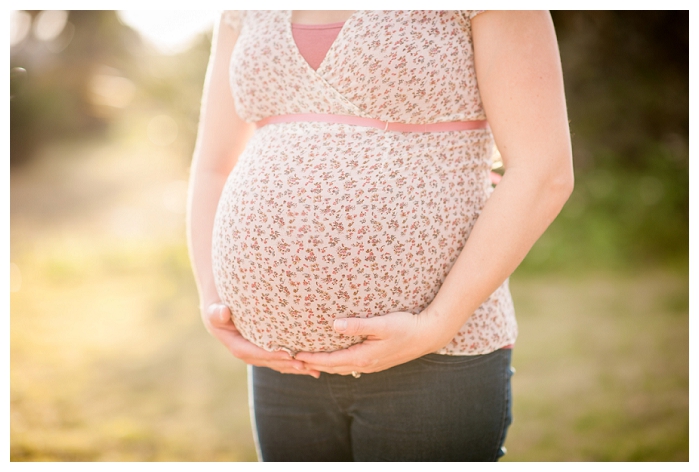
109, 360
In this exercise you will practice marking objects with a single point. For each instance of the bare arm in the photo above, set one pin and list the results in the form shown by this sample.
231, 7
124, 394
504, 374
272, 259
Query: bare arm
221, 139
521, 84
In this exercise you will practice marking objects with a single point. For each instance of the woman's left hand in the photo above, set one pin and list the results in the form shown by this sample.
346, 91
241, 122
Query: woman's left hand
391, 339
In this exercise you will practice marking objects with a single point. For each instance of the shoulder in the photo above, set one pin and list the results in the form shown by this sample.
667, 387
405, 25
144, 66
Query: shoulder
468, 15
233, 19
464, 17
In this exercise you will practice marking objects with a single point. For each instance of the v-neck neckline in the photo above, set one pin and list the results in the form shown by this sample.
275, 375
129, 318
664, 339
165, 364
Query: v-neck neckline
333, 46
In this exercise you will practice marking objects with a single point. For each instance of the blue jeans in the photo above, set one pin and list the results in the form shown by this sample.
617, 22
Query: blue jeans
435, 408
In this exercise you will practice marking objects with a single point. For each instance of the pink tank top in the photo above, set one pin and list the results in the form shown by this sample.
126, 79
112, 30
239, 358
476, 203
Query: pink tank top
314, 41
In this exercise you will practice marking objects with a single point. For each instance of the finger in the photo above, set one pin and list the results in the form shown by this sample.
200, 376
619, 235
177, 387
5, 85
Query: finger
306, 370
220, 317
335, 359
224, 314
340, 370
245, 350
289, 367
360, 326
248, 352
218, 313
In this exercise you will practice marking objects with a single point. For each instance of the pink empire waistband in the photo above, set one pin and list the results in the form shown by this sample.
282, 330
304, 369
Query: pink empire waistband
373, 123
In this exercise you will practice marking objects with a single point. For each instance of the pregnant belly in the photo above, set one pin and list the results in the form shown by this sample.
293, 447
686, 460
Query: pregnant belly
305, 234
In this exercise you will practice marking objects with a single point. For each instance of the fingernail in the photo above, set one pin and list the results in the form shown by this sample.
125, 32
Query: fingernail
340, 325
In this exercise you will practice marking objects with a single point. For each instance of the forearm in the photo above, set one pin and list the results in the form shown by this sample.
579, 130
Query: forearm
222, 137
521, 86
205, 191
523, 205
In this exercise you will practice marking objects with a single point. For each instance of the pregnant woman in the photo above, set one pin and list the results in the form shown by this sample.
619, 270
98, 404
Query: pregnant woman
343, 226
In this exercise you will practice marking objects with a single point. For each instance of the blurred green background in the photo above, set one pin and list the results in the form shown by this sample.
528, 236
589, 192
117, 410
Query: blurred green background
109, 360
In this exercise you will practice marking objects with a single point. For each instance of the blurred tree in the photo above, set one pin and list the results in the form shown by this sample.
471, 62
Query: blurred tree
627, 82
79, 82
627, 87
55, 99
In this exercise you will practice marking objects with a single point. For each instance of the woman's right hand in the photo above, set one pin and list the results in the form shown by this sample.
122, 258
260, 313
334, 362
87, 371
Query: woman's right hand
218, 322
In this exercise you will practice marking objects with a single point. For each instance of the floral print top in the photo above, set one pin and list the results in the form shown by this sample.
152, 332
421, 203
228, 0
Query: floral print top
319, 221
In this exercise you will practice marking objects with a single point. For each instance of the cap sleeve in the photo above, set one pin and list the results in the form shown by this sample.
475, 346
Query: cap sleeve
233, 19
465, 16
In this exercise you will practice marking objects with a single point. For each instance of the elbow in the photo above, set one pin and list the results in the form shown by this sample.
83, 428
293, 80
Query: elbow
560, 186
550, 185
564, 183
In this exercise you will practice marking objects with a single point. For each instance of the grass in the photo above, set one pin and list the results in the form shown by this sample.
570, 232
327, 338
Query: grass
603, 368
109, 361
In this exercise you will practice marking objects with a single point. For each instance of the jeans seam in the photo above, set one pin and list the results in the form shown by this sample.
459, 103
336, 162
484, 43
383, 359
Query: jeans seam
251, 411
504, 415
331, 390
